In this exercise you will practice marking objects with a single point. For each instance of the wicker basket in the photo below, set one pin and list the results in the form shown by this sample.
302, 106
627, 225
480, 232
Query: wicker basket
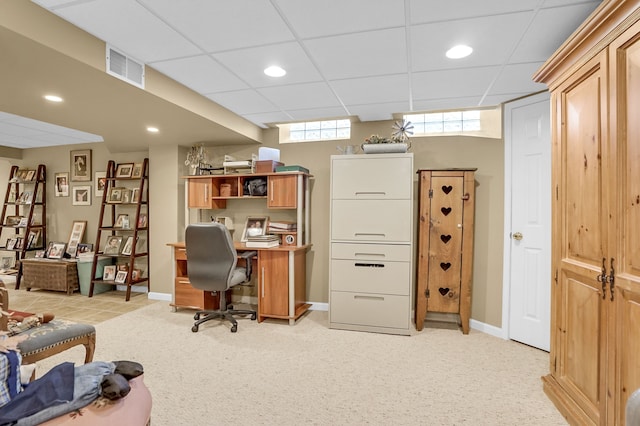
57, 275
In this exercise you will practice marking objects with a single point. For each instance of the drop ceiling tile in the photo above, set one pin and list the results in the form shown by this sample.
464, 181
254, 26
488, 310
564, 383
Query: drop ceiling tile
428, 11
362, 54
429, 42
200, 73
331, 17
316, 113
388, 88
249, 64
538, 44
223, 25
265, 118
244, 102
499, 99
452, 83
301, 96
375, 112
517, 78
128, 27
446, 103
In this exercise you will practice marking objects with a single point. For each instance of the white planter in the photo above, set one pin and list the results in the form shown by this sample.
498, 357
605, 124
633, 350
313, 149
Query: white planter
384, 148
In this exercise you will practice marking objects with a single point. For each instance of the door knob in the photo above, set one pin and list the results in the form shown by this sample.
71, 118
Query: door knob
517, 236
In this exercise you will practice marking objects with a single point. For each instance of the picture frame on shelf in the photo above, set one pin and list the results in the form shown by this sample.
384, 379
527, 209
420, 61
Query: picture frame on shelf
121, 277
142, 220
126, 196
77, 232
124, 170
85, 248
13, 220
11, 244
30, 175
135, 195
24, 221
254, 226
136, 172
109, 273
101, 183
40, 254
82, 195
122, 221
128, 246
115, 195
136, 274
81, 165
19, 243
112, 246
61, 180
56, 251
25, 198
33, 238
7, 262
12, 195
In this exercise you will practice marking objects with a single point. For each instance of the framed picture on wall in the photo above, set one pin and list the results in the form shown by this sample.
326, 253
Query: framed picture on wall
62, 184
101, 183
82, 195
81, 165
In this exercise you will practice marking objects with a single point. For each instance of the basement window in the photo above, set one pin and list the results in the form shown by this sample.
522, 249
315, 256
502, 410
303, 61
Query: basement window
485, 122
315, 131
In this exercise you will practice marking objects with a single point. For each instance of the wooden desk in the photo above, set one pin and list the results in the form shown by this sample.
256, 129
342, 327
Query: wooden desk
281, 273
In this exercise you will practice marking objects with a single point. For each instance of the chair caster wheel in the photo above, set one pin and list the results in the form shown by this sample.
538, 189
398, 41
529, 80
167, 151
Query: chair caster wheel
234, 328
194, 328
253, 316
196, 317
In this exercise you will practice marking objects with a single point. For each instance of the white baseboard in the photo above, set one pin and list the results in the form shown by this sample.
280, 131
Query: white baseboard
166, 297
486, 328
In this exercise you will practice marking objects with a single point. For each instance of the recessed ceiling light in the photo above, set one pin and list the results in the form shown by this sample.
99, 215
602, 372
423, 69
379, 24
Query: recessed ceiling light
274, 71
459, 51
53, 98
152, 129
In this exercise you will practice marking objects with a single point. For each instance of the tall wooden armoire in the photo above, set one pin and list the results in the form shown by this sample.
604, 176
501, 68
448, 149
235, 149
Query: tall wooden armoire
594, 79
445, 243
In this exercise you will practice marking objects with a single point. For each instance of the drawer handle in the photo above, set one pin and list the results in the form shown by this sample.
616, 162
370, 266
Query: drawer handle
370, 193
364, 234
369, 265
184, 282
369, 254
381, 298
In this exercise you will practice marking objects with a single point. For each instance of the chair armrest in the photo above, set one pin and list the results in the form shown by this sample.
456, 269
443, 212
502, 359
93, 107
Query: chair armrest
247, 256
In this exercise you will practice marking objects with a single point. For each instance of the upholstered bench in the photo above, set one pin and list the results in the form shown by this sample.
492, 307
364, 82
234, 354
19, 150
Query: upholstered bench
54, 337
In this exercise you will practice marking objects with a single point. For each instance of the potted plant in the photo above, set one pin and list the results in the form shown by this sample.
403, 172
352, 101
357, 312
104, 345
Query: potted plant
398, 143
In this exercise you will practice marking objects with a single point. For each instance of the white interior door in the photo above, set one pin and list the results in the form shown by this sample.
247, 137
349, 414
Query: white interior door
526, 307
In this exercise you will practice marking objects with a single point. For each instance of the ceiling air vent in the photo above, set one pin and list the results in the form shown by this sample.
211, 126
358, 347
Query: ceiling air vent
125, 68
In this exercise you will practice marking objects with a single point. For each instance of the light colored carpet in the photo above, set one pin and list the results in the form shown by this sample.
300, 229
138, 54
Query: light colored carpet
275, 374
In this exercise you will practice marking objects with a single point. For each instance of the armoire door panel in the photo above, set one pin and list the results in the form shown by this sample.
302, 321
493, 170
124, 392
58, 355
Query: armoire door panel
626, 357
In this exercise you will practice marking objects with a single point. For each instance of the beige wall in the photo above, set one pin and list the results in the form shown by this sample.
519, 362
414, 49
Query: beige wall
167, 219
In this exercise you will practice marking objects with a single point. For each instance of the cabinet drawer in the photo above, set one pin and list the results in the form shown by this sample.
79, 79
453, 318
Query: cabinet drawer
387, 252
370, 309
372, 178
370, 220
371, 276
180, 253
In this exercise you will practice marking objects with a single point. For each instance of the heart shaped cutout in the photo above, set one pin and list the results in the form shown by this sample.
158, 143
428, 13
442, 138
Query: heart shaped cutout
447, 189
445, 266
445, 238
443, 290
445, 210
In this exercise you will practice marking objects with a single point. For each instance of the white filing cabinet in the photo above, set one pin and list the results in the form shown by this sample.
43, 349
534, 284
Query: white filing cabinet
371, 269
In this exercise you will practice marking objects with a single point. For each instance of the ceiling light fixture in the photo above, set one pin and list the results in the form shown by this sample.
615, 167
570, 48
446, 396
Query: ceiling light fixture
459, 51
152, 129
274, 71
53, 98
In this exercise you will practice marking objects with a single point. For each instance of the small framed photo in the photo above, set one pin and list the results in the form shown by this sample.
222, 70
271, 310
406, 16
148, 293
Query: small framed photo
121, 277
25, 198
7, 262
56, 251
62, 184
113, 244
115, 195
109, 273
142, 220
101, 183
82, 195
19, 243
30, 175
11, 243
24, 221
122, 221
13, 220
135, 195
124, 170
33, 239
255, 226
136, 172
126, 196
81, 165
40, 254
85, 248
128, 246
77, 232
136, 274
12, 195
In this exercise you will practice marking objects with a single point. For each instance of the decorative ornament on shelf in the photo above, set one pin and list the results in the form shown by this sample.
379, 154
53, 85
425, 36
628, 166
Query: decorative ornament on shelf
196, 156
398, 143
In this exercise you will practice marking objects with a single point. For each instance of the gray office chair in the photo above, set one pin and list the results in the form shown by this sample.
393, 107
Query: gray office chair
212, 266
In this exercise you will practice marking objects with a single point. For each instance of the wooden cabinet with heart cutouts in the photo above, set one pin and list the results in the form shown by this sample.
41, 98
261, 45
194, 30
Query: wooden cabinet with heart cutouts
445, 243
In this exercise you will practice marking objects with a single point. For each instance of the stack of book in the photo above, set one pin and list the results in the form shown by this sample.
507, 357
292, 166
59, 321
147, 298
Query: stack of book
282, 226
263, 241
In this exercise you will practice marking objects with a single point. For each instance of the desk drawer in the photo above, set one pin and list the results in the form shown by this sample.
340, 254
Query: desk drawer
186, 296
387, 252
180, 253
369, 220
375, 310
372, 178
370, 276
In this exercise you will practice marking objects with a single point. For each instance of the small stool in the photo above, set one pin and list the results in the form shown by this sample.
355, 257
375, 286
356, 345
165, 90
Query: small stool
54, 337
